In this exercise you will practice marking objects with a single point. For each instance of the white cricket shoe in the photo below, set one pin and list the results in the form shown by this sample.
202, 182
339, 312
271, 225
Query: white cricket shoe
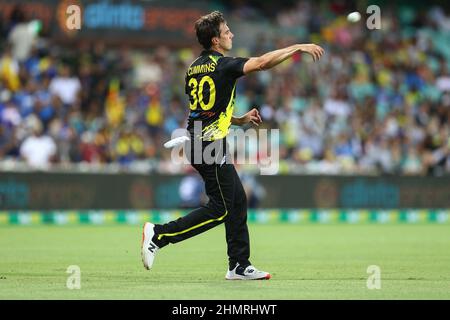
248, 273
149, 249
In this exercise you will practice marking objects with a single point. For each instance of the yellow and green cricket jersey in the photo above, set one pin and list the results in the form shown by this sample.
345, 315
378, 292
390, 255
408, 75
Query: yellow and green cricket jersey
211, 87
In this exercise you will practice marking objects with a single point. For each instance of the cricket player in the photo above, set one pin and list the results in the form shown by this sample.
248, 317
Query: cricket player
210, 85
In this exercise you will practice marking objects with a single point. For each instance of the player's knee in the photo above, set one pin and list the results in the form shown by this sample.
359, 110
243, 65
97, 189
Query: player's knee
241, 202
220, 211
244, 199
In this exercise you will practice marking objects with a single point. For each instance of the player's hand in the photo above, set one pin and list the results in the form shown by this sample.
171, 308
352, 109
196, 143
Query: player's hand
314, 50
252, 116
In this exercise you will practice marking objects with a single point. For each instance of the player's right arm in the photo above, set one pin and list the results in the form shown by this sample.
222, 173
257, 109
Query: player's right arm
273, 58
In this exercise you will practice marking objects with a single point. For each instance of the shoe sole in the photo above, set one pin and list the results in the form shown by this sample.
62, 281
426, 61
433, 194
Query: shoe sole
143, 247
267, 277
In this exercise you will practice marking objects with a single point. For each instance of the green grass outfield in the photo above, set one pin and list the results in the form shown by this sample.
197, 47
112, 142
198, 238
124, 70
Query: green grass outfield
306, 262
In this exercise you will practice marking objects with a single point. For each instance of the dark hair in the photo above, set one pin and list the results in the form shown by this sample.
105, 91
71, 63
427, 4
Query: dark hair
208, 27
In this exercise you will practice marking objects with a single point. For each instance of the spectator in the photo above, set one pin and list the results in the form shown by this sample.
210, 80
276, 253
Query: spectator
65, 86
22, 38
38, 150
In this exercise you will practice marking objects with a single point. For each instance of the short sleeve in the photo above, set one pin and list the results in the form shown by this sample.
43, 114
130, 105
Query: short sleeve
233, 66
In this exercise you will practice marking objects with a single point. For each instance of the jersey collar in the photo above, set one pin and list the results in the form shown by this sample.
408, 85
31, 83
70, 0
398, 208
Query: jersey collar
213, 52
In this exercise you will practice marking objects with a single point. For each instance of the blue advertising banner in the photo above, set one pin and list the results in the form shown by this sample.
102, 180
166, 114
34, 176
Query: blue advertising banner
167, 21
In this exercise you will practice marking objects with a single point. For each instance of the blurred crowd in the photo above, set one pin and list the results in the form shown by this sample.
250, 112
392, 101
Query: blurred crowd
378, 102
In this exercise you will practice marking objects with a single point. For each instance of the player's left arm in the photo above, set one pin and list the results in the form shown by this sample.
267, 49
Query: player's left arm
251, 116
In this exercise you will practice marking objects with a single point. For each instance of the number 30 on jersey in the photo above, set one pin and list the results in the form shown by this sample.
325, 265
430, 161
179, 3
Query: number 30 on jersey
197, 97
